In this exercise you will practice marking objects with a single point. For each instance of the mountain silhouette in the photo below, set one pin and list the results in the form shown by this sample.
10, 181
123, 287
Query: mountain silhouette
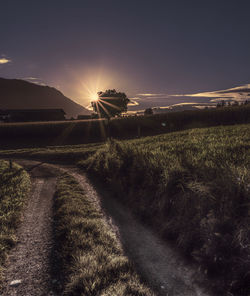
21, 94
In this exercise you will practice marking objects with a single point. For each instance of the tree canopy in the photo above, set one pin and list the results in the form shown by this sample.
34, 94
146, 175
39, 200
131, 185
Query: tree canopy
110, 103
148, 111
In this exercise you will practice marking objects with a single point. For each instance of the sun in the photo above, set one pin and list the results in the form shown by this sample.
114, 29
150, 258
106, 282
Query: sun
90, 91
94, 96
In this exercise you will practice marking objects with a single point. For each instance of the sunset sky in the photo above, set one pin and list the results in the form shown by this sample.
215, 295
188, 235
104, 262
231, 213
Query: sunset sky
139, 47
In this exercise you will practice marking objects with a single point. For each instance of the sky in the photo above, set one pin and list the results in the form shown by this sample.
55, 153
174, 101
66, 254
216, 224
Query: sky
138, 47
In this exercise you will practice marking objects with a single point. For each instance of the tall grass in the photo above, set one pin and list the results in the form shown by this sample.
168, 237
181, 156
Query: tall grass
14, 188
192, 187
88, 253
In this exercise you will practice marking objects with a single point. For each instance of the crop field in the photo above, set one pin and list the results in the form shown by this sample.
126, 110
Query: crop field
41, 134
14, 187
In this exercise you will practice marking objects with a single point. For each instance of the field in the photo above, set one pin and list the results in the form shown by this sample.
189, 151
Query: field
192, 187
66, 154
41, 134
14, 188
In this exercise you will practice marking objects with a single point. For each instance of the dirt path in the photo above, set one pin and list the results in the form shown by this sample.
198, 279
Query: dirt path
157, 263
29, 261
160, 265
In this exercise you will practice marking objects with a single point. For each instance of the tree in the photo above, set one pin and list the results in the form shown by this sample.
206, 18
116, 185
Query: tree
221, 104
235, 104
148, 111
110, 103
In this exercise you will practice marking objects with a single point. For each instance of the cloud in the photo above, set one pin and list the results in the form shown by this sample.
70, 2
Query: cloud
135, 98
223, 99
4, 60
152, 95
178, 102
34, 80
205, 106
133, 102
239, 93
31, 78
239, 89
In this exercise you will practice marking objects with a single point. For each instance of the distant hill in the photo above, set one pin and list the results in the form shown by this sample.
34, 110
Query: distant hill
20, 94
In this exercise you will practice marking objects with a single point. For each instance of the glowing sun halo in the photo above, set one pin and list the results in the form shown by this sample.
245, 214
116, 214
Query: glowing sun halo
94, 97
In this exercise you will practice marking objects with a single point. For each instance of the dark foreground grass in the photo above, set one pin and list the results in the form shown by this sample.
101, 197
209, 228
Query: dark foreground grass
14, 188
192, 187
89, 255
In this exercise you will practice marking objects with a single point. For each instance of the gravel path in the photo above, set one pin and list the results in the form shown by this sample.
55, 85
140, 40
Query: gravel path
29, 262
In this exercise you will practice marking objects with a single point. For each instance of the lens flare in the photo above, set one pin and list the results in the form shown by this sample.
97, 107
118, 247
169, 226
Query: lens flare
92, 82
94, 96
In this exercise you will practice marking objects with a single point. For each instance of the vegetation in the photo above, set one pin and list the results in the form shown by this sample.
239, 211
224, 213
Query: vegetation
110, 103
192, 187
89, 254
148, 111
66, 154
41, 134
223, 103
14, 188
18, 135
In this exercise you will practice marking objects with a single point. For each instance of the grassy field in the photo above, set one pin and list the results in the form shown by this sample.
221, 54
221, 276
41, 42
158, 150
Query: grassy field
14, 188
192, 187
66, 154
40, 134
89, 254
